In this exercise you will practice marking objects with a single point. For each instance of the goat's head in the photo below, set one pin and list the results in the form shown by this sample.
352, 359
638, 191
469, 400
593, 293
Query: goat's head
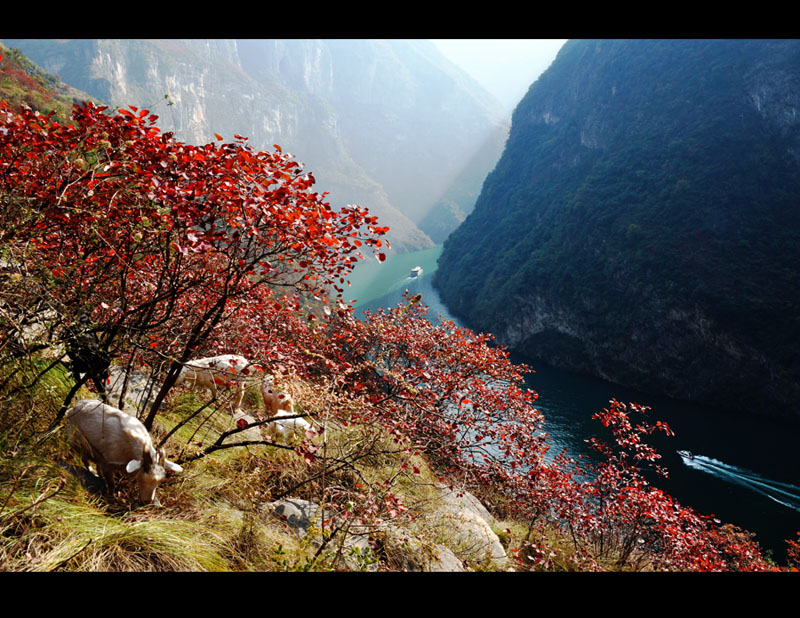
150, 471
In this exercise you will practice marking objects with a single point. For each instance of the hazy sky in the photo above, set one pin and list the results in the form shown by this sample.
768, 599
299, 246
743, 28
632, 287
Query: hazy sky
505, 67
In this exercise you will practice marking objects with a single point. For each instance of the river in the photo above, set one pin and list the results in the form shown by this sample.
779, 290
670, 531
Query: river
745, 470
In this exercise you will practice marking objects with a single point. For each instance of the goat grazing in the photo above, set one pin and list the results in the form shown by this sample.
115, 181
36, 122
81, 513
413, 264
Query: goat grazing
116, 441
225, 370
286, 429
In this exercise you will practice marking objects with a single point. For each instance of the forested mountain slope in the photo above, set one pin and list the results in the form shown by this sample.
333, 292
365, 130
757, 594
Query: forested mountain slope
24, 83
386, 124
643, 223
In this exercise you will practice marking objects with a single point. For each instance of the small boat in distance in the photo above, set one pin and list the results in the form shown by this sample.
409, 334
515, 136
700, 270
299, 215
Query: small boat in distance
686, 454
416, 271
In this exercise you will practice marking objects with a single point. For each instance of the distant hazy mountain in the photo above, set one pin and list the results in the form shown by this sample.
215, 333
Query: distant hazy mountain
386, 124
643, 223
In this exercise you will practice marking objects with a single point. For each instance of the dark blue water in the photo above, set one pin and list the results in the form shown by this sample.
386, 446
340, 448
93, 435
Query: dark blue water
745, 470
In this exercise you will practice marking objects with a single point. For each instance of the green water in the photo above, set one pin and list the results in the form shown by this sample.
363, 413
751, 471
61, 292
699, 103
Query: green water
373, 279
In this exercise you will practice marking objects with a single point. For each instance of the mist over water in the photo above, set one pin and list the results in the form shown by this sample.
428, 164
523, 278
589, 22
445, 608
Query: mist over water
745, 469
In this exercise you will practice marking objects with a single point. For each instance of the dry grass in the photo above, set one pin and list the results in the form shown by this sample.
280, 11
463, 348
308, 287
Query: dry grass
213, 516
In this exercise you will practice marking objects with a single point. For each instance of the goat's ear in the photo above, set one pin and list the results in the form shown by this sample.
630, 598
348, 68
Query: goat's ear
172, 467
161, 459
133, 466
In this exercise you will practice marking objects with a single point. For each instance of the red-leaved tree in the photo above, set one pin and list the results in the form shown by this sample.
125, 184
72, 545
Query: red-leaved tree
158, 242
615, 515
443, 390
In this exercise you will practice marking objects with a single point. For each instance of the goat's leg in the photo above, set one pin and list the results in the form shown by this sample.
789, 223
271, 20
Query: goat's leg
239, 395
107, 474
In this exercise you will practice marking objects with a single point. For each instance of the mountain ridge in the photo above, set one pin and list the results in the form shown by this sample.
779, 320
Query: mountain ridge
641, 225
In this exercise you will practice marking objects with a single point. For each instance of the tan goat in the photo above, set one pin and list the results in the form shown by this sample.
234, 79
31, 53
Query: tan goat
116, 441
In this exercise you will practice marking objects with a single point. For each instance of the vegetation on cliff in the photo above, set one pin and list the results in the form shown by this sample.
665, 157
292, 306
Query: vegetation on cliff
24, 83
647, 200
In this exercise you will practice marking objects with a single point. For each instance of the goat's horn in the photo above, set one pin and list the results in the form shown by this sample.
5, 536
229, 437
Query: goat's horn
147, 459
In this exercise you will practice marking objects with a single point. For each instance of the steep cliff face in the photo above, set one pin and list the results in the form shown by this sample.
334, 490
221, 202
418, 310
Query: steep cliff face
388, 125
643, 224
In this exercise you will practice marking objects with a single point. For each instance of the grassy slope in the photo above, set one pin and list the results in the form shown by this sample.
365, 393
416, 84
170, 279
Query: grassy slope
213, 518
24, 83
214, 515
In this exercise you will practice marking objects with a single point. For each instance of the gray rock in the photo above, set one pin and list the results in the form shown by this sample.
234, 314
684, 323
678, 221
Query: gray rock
405, 552
301, 515
465, 522
458, 519
139, 395
247, 435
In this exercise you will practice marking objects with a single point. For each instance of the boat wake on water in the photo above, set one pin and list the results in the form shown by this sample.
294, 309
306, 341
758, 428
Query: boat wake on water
783, 493
400, 283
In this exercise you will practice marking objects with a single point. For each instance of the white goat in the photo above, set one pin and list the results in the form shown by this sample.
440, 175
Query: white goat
281, 404
116, 441
275, 400
225, 370
286, 429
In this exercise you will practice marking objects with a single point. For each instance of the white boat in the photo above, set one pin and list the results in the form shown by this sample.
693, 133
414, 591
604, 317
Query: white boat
416, 271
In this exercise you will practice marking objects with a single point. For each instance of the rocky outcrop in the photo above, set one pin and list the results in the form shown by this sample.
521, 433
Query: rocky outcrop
466, 523
773, 89
140, 390
303, 517
452, 534
678, 351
